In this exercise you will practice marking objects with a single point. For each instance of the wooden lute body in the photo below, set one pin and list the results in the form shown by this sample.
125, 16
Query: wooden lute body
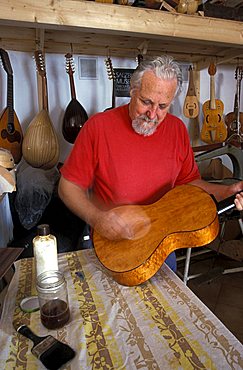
185, 217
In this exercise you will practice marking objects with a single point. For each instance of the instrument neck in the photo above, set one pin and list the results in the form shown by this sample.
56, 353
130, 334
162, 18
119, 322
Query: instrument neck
212, 93
44, 93
72, 87
10, 96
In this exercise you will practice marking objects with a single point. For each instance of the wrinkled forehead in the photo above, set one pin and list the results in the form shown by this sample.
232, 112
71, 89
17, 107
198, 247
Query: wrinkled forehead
157, 88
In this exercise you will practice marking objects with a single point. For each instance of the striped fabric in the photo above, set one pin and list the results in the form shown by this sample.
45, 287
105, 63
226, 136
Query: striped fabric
160, 324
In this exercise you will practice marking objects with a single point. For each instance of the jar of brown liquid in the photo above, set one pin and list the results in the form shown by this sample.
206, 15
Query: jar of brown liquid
53, 299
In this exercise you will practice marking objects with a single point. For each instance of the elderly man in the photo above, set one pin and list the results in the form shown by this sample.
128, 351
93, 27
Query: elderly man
134, 154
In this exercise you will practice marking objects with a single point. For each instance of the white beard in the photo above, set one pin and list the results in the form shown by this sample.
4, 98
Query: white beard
142, 125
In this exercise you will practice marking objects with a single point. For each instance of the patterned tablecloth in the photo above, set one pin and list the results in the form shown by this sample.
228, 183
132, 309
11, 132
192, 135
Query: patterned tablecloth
158, 325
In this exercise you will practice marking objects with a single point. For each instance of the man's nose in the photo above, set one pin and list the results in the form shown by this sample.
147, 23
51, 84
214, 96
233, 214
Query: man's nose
152, 113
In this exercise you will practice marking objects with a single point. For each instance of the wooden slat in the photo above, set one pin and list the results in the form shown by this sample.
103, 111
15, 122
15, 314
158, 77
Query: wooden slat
93, 27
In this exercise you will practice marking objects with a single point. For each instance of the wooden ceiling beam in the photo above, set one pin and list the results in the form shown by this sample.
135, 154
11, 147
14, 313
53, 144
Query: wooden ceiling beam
93, 27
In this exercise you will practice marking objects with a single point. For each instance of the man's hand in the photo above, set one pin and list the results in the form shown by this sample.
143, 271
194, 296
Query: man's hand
236, 188
126, 222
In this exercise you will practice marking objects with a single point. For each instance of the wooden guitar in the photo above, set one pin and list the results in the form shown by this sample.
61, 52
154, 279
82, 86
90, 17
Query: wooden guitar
185, 217
111, 76
11, 135
40, 144
234, 120
75, 115
214, 129
191, 106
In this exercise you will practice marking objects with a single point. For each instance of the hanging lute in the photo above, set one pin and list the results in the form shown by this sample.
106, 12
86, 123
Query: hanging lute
40, 144
75, 115
11, 135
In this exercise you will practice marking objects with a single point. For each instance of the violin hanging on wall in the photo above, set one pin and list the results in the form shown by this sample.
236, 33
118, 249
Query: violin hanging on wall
214, 129
75, 115
11, 135
234, 120
40, 144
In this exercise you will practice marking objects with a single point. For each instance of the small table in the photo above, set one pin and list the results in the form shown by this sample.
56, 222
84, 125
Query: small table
7, 258
160, 324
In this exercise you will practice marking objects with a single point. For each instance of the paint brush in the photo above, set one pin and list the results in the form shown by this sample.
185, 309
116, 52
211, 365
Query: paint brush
50, 351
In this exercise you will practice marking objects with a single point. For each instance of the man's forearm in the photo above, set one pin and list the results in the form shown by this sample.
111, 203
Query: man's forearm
76, 199
220, 191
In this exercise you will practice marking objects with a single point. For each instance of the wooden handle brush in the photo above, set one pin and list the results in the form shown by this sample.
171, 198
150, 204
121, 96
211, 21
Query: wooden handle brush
50, 351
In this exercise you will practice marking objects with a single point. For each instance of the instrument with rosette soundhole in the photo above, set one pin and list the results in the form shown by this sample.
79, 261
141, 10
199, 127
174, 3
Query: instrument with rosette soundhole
234, 120
75, 115
40, 144
11, 136
214, 130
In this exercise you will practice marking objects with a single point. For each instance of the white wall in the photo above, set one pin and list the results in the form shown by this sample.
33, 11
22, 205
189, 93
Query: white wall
95, 94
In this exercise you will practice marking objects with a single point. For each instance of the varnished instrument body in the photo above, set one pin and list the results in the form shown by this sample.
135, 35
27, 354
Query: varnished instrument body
214, 129
185, 217
40, 145
11, 136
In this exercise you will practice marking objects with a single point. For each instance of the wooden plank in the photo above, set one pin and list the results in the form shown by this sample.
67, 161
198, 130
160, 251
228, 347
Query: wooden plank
95, 17
120, 29
7, 258
83, 43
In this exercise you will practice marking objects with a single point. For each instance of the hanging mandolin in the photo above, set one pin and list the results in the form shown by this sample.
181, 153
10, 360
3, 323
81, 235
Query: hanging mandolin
75, 115
40, 144
11, 135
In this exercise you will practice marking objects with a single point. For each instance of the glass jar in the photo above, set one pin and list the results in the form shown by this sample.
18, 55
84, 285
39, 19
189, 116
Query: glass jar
53, 299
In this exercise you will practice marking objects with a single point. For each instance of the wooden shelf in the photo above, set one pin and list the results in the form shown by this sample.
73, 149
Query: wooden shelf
94, 28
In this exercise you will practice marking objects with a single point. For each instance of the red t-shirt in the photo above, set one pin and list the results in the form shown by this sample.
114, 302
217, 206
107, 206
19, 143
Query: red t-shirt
123, 167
